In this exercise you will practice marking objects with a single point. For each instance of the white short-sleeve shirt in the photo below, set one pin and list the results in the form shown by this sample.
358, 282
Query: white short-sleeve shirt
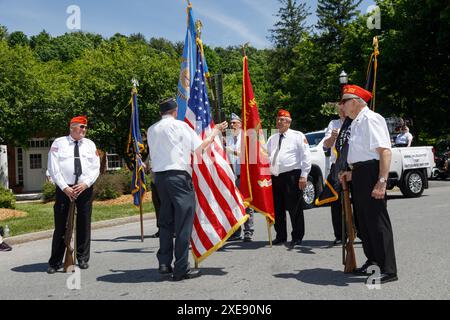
367, 133
293, 154
171, 143
334, 124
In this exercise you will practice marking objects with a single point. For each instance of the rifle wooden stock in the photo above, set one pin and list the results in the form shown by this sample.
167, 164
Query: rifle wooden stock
69, 259
350, 259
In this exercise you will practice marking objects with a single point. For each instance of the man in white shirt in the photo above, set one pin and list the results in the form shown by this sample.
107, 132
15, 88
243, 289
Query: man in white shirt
74, 166
171, 144
331, 135
369, 157
234, 156
290, 164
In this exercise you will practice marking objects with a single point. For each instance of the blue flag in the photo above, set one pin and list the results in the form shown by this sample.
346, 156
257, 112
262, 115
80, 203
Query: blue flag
188, 65
135, 148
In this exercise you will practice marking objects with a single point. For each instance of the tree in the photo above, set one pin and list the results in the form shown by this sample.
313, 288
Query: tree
414, 69
334, 16
18, 38
3, 32
291, 26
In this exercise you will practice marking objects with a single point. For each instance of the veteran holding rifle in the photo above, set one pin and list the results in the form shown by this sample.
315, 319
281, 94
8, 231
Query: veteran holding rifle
74, 166
369, 158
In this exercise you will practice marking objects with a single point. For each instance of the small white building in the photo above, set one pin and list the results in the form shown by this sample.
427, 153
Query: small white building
4, 167
27, 166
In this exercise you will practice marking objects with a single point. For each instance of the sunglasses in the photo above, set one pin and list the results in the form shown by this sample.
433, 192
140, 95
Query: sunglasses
343, 101
83, 126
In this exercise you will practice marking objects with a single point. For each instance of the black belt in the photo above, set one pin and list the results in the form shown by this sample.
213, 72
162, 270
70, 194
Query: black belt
357, 165
160, 173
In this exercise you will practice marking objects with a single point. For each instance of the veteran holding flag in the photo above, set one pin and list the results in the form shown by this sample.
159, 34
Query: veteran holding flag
234, 155
171, 144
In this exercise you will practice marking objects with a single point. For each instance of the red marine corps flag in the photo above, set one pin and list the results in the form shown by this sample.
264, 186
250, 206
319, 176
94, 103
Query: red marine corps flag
256, 182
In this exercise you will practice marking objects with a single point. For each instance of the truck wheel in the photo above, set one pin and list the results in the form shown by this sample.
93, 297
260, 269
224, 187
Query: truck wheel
413, 184
309, 194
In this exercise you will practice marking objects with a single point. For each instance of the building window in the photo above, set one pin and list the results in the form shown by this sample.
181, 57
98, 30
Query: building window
35, 161
19, 166
113, 161
40, 143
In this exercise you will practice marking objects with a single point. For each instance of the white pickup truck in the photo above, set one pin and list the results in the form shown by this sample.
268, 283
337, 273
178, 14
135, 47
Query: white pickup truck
410, 169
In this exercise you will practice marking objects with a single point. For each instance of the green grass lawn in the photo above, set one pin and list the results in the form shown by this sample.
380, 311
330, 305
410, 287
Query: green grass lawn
40, 216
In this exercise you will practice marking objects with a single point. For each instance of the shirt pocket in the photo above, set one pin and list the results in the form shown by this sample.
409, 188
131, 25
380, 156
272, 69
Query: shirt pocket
65, 155
90, 157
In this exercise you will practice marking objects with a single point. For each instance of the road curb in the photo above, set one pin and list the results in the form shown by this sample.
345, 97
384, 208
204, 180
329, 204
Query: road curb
29, 237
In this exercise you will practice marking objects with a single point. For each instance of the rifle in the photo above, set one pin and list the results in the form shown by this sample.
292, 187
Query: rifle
350, 259
69, 259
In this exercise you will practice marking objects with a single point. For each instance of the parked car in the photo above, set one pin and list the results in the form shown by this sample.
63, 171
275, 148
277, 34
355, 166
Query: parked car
319, 168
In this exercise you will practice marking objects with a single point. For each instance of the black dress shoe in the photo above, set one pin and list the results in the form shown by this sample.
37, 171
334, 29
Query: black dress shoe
234, 238
190, 274
156, 235
53, 269
294, 243
165, 269
384, 277
83, 265
362, 271
277, 242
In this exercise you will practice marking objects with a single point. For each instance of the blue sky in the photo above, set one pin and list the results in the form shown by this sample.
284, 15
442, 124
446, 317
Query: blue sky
226, 22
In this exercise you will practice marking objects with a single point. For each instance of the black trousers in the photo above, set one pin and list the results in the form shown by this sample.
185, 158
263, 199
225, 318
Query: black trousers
176, 215
288, 196
83, 226
374, 223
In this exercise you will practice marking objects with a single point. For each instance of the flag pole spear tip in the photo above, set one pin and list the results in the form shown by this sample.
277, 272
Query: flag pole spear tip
243, 48
375, 44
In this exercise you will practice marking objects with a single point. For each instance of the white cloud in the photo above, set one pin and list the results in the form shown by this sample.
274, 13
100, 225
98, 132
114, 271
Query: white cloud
240, 28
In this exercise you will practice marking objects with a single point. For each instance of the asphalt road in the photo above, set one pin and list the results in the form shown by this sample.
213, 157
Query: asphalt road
122, 267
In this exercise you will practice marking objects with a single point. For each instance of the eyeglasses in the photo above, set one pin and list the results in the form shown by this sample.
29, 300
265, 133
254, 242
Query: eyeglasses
82, 126
343, 101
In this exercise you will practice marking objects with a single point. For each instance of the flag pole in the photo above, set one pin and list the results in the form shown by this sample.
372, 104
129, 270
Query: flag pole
376, 52
141, 211
136, 165
269, 230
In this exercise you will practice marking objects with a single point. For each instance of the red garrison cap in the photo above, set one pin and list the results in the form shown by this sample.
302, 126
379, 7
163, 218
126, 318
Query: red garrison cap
353, 91
284, 113
79, 119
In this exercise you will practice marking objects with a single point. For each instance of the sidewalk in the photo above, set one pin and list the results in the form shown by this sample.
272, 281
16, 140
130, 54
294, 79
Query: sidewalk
95, 225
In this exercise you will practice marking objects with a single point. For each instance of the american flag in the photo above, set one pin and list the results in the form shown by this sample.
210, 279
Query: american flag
219, 206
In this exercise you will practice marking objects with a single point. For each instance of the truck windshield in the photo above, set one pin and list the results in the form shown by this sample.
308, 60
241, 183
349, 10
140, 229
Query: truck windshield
314, 138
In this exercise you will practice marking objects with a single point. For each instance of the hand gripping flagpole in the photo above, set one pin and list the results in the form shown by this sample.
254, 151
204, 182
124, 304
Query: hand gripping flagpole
136, 165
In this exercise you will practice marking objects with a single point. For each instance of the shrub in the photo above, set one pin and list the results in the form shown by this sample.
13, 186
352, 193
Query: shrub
7, 199
49, 192
108, 186
125, 179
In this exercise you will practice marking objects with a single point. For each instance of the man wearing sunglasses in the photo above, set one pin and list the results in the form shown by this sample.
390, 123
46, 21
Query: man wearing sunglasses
369, 157
74, 166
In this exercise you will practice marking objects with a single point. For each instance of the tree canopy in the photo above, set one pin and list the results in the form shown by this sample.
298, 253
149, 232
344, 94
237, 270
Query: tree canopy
45, 80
